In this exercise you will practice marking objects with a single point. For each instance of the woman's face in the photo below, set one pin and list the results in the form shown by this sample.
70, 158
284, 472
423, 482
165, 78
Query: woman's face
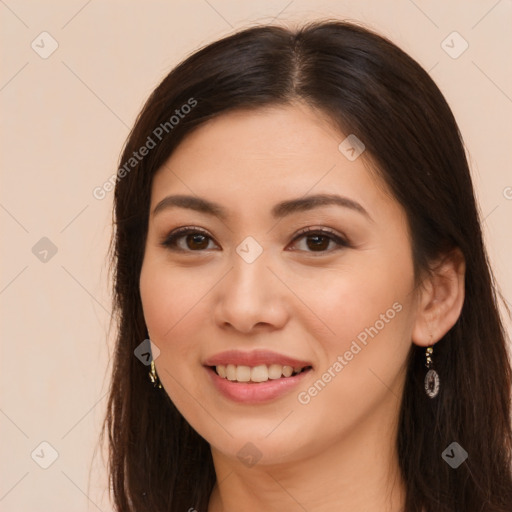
246, 290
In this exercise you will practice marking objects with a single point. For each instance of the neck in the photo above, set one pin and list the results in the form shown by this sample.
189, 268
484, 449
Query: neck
359, 472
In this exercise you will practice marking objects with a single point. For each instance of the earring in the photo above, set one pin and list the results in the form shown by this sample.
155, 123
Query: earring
431, 378
153, 377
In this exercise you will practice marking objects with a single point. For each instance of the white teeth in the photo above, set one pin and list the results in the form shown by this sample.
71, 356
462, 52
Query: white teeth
260, 373
231, 372
243, 373
287, 371
275, 371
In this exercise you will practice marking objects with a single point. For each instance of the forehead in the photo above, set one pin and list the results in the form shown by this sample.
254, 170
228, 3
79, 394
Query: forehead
264, 155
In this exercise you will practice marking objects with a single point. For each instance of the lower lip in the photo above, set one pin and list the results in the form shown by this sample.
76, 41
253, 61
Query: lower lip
257, 392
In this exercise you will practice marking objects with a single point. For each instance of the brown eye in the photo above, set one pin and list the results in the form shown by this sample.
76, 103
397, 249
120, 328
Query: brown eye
318, 241
195, 240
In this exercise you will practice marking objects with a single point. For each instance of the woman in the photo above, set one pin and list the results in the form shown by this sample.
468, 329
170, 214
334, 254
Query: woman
296, 233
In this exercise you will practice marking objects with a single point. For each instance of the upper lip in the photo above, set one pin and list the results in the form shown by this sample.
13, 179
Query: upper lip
254, 358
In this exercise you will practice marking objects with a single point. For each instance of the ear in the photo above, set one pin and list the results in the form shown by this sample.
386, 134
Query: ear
441, 296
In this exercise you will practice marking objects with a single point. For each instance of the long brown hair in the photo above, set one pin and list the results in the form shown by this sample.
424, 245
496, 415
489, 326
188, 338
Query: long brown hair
368, 87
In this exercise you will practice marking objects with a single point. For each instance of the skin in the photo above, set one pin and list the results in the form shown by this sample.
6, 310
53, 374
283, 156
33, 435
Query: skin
337, 452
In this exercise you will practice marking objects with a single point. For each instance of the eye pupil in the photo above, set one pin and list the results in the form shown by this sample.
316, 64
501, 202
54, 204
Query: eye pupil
197, 240
320, 245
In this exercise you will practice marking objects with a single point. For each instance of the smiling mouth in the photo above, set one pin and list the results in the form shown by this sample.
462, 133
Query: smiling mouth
257, 374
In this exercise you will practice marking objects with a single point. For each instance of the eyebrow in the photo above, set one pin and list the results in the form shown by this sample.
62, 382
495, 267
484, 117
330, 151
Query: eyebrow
280, 210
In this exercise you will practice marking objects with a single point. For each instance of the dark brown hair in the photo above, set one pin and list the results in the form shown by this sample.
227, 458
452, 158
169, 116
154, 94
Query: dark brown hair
367, 86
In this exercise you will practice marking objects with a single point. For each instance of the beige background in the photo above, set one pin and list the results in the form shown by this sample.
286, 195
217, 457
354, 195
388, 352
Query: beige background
64, 120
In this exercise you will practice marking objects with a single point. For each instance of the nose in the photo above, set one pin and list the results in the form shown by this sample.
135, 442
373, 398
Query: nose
251, 298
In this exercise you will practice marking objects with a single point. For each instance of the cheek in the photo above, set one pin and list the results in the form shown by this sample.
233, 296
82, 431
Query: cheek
168, 295
353, 298
367, 308
374, 335
171, 304
361, 369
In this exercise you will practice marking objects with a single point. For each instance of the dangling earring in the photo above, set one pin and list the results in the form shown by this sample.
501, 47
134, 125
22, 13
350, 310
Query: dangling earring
431, 378
153, 377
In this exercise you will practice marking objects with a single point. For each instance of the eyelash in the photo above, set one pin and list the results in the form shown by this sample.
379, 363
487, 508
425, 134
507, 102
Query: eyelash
169, 242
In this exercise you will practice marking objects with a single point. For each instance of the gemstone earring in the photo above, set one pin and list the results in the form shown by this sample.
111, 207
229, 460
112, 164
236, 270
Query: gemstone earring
431, 378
